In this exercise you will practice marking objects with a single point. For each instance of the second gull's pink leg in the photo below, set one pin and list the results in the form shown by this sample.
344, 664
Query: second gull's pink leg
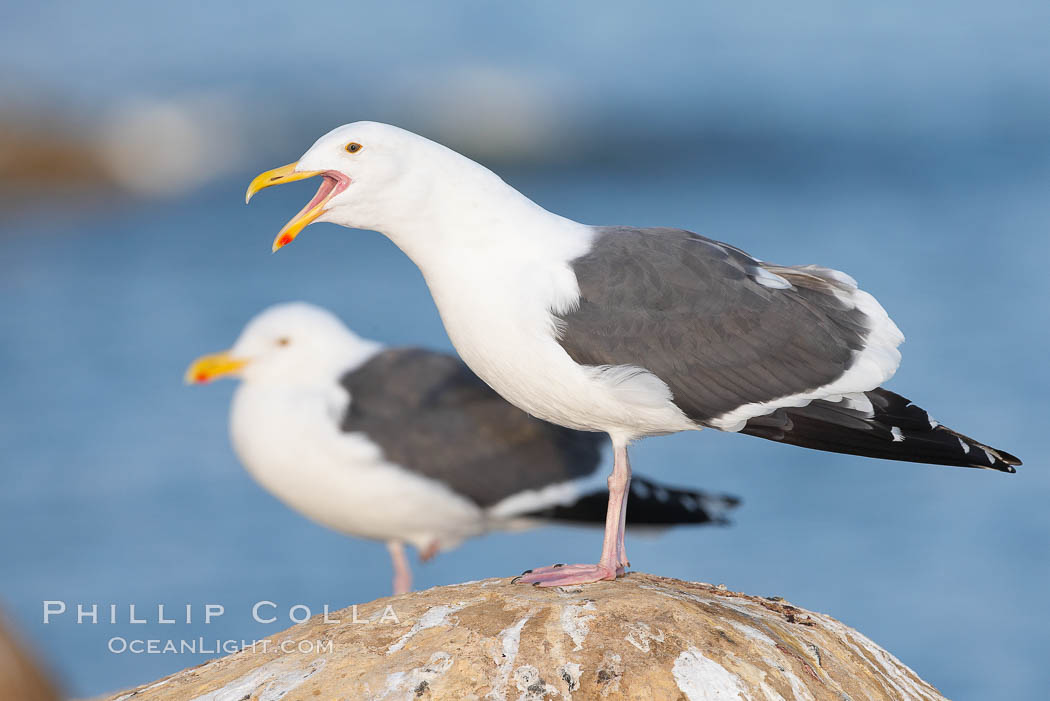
402, 570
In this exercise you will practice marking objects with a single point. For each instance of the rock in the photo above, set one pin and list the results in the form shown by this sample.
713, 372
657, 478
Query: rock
40, 154
641, 637
20, 677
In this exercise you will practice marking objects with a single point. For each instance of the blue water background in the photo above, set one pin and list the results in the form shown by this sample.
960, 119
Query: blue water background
908, 147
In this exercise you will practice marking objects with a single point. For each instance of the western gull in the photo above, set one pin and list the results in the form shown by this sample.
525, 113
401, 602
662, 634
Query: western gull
408, 446
632, 332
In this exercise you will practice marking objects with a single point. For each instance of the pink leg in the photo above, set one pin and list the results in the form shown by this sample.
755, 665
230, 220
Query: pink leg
614, 558
402, 571
621, 549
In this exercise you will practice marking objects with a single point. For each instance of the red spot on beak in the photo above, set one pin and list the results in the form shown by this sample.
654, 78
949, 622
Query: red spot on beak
201, 378
284, 240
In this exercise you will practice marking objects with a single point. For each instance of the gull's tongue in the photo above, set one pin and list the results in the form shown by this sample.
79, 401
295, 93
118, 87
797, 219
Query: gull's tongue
327, 185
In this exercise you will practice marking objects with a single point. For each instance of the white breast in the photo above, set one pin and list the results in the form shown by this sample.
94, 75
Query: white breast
501, 315
289, 441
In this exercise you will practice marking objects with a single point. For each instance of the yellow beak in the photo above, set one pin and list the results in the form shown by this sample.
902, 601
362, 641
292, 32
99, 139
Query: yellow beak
280, 176
211, 367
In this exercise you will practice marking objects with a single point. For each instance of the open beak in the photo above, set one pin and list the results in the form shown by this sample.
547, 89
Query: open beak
211, 367
332, 184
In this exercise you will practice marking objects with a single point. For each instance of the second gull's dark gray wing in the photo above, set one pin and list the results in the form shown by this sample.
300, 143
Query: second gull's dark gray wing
431, 415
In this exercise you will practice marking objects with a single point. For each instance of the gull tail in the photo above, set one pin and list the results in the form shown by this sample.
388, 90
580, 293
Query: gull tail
895, 429
649, 503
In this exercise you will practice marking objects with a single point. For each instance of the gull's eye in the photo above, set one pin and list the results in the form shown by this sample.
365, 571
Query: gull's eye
353, 147
283, 341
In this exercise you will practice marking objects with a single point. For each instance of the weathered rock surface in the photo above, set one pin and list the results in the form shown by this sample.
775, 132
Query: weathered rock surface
20, 676
641, 637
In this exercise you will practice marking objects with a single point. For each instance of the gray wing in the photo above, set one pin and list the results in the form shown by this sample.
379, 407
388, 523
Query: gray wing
719, 327
431, 415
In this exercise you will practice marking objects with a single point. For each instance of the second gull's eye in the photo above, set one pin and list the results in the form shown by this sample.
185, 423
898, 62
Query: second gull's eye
353, 147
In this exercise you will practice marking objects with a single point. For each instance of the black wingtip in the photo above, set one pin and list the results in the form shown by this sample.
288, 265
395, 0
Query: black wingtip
893, 429
1009, 459
1009, 463
1002, 461
649, 504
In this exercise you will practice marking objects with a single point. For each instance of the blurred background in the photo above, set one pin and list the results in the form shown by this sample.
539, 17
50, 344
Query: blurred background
905, 143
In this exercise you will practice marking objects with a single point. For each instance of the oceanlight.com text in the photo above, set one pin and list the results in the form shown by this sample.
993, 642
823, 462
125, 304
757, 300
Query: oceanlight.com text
202, 646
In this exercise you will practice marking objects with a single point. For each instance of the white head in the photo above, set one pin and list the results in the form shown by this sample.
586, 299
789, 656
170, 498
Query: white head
288, 344
374, 176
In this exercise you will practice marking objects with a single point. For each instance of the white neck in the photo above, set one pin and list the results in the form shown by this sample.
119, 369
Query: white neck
464, 210
359, 352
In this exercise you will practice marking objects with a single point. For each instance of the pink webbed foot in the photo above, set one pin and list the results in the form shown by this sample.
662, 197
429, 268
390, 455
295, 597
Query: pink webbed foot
567, 575
613, 562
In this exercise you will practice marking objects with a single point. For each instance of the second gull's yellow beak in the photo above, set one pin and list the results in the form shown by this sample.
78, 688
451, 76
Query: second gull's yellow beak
211, 367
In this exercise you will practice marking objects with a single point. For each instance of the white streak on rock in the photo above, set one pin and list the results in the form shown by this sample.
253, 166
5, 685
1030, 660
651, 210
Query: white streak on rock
703, 679
798, 689
770, 693
434, 616
527, 679
896, 673
509, 640
408, 682
154, 685
570, 674
751, 633
281, 676
639, 634
575, 624
283, 683
611, 669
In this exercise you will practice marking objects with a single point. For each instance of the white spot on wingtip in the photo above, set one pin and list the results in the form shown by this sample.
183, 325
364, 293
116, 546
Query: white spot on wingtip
716, 507
898, 436
966, 448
